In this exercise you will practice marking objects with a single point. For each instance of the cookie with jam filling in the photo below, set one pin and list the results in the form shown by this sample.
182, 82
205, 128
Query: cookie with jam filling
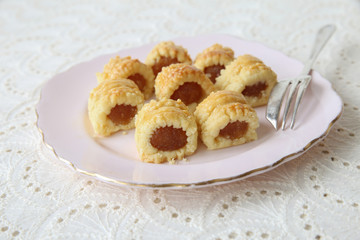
132, 69
249, 76
112, 106
184, 82
214, 59
166, 53
165, 131
225, 119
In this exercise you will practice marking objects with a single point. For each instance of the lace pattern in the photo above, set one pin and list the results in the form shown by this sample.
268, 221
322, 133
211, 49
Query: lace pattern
315, 196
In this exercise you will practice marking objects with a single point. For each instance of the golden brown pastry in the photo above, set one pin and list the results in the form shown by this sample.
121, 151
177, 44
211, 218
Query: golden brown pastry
131, 69
225, 119
165, 131
184, 82
249, 76
213, 59
165, 54
113, 105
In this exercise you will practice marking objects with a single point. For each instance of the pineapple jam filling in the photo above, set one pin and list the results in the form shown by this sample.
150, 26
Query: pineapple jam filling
188, 93
213, 71
163, 62
254, 90
122, 114
168, 138
234, 130
139, 80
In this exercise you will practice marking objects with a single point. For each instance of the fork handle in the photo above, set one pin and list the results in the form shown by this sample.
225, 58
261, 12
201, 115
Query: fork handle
322, 37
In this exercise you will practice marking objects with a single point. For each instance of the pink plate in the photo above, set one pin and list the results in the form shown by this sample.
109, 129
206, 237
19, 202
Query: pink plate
62, 119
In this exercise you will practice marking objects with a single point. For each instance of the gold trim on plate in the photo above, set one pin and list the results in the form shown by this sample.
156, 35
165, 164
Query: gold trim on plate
196, 184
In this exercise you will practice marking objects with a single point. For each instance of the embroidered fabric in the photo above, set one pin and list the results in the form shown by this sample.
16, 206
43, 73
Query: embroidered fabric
315, 196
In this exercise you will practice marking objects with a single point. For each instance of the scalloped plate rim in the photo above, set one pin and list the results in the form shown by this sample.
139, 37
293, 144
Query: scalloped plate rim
179, 184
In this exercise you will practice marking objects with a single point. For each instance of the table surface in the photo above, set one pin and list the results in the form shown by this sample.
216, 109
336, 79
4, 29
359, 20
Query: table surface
315, 196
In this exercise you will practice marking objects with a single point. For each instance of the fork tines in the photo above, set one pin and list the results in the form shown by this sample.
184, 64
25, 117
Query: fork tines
294, 86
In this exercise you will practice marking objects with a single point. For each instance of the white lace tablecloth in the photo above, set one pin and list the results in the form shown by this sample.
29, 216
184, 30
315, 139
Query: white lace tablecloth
316, 196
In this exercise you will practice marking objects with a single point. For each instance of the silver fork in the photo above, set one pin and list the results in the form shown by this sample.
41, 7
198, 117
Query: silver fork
297, 85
